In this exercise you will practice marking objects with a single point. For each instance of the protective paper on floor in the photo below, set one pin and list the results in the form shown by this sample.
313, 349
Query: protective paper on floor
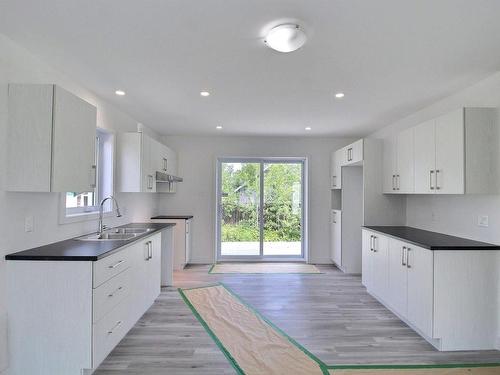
254, 345
298, 268
427, 371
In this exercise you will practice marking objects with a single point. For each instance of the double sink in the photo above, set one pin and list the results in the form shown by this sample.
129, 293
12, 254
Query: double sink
116, 234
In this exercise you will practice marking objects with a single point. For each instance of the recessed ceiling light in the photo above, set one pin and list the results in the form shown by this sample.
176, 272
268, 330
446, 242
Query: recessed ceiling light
204, 93
218, 127
285, 38
120, 92
339, 95
308, 128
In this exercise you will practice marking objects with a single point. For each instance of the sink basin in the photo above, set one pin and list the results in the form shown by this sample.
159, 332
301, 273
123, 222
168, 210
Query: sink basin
115, 234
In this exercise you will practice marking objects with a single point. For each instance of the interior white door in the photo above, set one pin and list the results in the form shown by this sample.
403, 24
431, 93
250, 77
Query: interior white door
73, 143
425, 157
450, 146
366, 259
380, 266
398, 281
405, 160
420, 288
389, 164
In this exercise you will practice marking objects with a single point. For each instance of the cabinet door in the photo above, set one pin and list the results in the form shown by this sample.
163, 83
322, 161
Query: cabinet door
336, 228
389, 164
188, 241
333, 177
405, 162
366, 258
450, 145
420, 265
154, 267
398, 282
380, 266
73, 143
147, 166
172, 166
357, 151
339, 154
425, 157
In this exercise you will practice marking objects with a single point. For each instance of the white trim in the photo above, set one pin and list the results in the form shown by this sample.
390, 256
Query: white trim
305, 211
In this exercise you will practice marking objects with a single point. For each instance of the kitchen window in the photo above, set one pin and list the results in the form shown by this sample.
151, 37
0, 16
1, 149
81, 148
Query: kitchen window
80, 206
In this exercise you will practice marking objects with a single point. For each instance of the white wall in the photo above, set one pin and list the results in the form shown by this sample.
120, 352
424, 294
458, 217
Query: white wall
196, 195
17, 65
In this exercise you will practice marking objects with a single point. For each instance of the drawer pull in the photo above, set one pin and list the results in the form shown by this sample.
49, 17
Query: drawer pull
114, 292
116, 264
118, 324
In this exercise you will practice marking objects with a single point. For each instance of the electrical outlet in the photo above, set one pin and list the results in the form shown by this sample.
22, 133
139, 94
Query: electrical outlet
483, 221
29, 223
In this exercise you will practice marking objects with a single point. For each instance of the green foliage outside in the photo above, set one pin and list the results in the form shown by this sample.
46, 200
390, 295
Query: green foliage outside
282, 199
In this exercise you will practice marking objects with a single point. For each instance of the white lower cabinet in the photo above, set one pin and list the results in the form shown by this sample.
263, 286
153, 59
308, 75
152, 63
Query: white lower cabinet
444, 295
81, 308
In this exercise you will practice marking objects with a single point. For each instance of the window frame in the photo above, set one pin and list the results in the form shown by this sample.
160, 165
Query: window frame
87, 213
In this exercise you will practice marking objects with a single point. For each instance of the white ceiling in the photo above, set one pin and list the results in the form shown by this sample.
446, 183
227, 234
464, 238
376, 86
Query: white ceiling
390, 57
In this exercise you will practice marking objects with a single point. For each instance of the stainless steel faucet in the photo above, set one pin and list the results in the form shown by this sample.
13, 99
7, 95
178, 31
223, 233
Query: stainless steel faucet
101, 211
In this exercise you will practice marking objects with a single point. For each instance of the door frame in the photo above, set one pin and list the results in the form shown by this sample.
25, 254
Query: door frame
304, 215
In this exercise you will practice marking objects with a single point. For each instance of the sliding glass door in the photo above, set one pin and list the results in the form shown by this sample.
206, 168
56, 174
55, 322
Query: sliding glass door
260, 209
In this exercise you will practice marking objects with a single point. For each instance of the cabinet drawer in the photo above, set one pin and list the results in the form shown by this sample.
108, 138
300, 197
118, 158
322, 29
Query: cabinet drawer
108, 332
109, 294
108, 267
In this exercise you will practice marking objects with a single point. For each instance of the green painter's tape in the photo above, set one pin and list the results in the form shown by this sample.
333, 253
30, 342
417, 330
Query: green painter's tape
324, 368
228, 355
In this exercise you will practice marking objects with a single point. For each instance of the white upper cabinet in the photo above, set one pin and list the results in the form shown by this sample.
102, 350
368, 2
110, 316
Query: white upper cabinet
452, 154
51, 140
398, 160
353, 153
139, 158
336, 169
425, 157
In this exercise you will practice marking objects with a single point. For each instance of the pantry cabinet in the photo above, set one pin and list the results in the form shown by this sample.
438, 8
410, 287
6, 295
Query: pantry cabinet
455, 153
51, 140
336, 169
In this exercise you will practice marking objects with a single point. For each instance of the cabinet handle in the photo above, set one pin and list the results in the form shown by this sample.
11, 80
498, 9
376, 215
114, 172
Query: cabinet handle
150, 249
398, 182
146, 257
150, 182
118, 324
165, 164
371, 243
334, 182
374, 244
393, 184
116, 264
431, 173
408, 257
93, 169
334, 217
403, 251
437, 185
112, 294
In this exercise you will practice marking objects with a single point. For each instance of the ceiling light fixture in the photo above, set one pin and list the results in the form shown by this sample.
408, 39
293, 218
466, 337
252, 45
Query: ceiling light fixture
308, 128
339, 95
285, 38
120, 92
218, 127
204, 93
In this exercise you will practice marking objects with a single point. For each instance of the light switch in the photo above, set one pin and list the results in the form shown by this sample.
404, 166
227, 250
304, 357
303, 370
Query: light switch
483, 221
29, 223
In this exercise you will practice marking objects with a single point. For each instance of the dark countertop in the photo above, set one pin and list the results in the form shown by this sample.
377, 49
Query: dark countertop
76, 250
179, 217
432, 240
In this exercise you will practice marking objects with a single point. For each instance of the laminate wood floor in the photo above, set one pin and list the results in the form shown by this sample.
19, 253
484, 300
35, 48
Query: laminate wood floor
331, 314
